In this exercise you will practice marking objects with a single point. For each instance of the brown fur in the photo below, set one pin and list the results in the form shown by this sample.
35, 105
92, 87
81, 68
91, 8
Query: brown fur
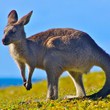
55, 51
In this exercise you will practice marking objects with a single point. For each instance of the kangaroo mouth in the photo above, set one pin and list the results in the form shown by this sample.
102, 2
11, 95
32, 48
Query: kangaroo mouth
5, 42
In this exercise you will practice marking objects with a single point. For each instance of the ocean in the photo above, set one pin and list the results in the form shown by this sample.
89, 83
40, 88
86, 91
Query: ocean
6, 82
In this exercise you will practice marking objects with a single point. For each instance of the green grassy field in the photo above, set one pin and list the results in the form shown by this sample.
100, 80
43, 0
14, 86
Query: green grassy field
17, 98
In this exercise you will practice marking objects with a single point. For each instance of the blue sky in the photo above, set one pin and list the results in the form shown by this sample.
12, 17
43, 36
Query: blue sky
91, 16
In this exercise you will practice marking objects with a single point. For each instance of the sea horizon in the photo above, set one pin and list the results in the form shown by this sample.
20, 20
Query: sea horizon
6, 82
14, 81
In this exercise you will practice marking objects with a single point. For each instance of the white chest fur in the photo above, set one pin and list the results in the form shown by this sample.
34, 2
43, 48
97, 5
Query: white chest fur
17, 52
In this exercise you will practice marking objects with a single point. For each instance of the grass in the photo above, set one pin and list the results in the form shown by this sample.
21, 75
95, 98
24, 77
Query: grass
17, 98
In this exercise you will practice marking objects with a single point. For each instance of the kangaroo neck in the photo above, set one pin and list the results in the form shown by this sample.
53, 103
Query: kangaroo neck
19, 44
18, 49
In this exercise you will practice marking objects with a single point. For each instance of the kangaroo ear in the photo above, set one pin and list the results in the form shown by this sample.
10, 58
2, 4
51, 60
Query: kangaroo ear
25, 19
12, 17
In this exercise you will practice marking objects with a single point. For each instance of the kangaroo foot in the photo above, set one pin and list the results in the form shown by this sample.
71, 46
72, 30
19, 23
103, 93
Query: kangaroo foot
70, 97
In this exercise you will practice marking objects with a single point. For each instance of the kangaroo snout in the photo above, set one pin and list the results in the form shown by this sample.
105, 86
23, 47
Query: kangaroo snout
5, 41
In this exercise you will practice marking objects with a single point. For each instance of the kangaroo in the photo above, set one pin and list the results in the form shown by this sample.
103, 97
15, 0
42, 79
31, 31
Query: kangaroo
55, 51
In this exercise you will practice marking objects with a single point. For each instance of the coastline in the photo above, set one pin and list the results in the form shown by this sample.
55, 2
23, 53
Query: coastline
6, 82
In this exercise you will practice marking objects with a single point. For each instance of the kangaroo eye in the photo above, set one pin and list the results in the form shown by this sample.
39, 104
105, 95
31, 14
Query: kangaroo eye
10, 32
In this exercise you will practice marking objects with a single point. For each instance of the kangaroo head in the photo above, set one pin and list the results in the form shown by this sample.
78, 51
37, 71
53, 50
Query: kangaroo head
14, 31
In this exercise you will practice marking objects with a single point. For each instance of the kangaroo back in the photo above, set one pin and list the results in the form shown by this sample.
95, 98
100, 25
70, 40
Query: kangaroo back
43, 36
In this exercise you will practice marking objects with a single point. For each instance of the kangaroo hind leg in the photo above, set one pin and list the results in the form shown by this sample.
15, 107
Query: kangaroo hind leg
77, 79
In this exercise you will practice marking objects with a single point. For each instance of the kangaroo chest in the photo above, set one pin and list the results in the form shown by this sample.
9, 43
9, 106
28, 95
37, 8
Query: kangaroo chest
18, 53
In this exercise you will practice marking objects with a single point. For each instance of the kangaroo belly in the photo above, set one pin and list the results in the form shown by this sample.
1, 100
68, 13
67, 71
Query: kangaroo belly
76, 62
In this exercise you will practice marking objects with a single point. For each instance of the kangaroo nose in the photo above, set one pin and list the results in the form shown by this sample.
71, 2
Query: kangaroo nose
5, 41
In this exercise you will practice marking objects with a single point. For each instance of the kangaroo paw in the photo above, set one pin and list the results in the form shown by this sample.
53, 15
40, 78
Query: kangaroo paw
24, 84
28, 86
